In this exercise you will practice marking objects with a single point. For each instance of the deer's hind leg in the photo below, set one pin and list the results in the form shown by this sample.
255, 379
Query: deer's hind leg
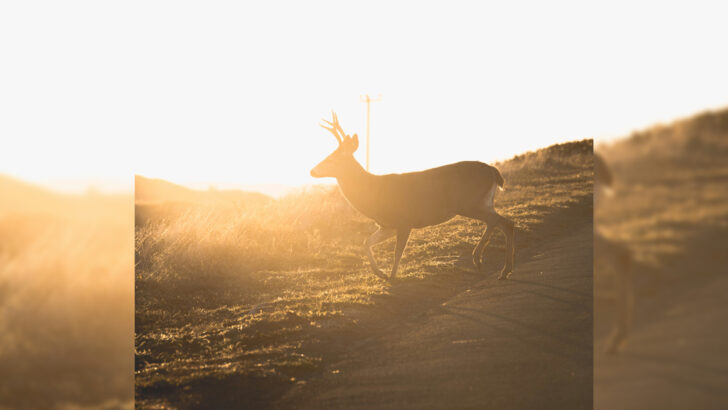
505, 225
509, 230
480, 247
485, 211
621, 264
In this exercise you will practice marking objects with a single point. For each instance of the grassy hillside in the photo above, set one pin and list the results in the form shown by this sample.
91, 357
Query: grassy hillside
66, 298
237, 305
148, 189
177, 200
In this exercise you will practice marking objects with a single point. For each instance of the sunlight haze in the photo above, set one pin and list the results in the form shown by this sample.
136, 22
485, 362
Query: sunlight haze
230, 94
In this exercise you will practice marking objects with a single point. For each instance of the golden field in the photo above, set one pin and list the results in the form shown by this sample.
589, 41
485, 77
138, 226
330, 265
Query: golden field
237, 303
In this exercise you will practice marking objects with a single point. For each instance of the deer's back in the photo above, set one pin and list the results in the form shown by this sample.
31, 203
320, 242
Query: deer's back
418, 199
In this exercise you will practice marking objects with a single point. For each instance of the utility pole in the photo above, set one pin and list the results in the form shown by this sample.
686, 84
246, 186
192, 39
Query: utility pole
368, 100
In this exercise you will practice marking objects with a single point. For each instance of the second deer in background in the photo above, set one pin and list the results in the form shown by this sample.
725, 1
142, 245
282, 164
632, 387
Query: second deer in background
613, 256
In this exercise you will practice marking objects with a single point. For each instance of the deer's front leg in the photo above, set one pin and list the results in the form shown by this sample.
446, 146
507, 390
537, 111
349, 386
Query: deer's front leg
377, 237
402, 237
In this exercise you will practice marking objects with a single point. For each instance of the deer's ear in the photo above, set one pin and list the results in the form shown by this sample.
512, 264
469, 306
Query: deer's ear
354, 142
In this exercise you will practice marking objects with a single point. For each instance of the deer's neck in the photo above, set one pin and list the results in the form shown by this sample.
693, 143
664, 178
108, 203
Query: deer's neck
355, 183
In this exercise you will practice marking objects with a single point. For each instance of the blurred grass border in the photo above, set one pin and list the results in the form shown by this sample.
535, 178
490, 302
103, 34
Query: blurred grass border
66, 298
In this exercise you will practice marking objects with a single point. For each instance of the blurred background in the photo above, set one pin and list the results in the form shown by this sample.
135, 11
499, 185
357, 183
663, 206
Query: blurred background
229, 95
663, 267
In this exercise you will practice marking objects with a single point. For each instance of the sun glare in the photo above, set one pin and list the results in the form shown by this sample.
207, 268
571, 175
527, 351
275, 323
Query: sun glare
220, 96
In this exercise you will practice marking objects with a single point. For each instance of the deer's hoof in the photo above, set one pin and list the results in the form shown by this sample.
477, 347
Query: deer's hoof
380, 274
477, 262
504, 275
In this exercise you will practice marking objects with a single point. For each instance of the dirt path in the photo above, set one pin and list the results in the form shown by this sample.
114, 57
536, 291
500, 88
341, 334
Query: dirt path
521, 343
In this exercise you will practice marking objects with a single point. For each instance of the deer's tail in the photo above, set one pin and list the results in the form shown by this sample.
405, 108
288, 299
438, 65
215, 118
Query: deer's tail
498, 178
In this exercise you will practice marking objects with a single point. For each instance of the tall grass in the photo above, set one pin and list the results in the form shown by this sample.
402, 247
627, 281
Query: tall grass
212, 244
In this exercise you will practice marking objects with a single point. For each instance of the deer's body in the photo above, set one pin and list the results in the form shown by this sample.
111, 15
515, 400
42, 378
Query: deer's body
402, 202
420, 199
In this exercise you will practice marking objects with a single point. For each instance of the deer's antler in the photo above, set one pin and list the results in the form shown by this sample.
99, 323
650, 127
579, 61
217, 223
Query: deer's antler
335, 128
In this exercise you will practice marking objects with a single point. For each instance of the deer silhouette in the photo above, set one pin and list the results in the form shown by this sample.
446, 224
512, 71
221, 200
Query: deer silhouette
399, 203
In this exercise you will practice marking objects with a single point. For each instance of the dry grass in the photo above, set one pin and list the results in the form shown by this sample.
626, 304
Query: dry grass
238, 304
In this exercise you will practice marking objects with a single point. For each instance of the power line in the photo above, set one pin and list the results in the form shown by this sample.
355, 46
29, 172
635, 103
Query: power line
365, 98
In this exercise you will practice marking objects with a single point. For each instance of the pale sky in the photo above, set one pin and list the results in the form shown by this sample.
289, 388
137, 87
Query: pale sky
231, 93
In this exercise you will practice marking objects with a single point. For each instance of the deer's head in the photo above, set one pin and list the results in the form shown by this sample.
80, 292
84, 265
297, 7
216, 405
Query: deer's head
342, 158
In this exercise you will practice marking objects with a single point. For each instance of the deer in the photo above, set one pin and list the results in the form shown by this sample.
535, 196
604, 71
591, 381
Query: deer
399, 203
614, 256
